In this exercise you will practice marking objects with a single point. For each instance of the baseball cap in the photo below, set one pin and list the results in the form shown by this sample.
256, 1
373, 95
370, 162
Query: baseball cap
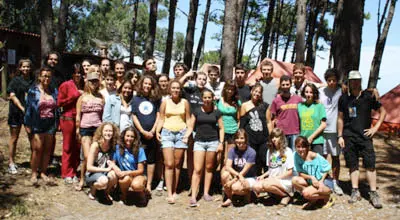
354, 74
92, 76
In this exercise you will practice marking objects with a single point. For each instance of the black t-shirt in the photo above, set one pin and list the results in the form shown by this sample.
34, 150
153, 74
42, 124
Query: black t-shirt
57, 78
254, 123
357, 113
244, 93
206, 125
193, 96
20, 87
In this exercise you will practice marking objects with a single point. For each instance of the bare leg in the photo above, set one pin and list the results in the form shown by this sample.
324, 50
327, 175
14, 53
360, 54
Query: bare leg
199, 157
124, 184
371, 178
354, 176
37, 151
169, 166
12, 143
47, 146
86, 141
210, 161
178, 160
335, 167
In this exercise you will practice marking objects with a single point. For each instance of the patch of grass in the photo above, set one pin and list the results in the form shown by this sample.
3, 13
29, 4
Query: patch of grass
19, 209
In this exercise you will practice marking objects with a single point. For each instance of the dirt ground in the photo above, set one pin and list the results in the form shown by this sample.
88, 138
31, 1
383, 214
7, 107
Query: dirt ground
20, 200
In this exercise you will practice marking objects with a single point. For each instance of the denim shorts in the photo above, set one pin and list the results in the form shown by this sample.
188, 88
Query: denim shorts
91, 178
205, 146
47, 129
173, 139
87, 131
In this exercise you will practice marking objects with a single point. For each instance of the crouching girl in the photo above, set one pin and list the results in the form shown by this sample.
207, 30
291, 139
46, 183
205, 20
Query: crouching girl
130, 159
238, 175
313, 170
280, 169
100, 174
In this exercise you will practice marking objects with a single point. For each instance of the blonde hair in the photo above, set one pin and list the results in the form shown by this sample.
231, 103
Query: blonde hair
98, 135
277, 132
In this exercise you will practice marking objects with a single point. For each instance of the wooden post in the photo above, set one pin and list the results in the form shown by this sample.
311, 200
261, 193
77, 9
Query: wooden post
4, 80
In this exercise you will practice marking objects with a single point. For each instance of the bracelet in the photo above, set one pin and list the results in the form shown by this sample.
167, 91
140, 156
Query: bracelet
340, 136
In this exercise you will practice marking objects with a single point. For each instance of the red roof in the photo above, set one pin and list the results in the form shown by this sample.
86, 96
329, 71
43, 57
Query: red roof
281, 68
391, 102
19, 32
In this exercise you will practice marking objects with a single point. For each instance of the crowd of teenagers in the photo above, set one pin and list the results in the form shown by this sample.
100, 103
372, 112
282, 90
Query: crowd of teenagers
119, 125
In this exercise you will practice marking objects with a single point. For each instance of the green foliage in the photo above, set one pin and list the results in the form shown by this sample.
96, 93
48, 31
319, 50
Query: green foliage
212, 56
179, 46
20, 15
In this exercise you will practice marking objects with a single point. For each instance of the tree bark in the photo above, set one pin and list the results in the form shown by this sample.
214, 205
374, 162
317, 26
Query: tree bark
152, 29
133, 33
312, 22
278, 28
61, 34
267, 30
202, 36
339, 11
289, 39
189, 42
46, 27
230, 31
300, 30
347, 42
170, 37
243, 31
380, 46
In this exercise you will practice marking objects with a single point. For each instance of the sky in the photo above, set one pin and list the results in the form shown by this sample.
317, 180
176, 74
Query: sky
389, 71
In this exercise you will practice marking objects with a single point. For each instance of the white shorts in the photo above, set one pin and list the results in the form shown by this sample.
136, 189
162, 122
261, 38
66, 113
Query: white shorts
287, 185
331, 145
251, 181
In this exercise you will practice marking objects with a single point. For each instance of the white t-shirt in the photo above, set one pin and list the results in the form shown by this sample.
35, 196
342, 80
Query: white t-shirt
277, 165
216, 90
330, 99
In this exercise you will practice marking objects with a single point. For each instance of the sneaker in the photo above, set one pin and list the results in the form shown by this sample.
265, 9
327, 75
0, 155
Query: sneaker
68, 180
12, 169
355, 196
75, 180
160, 185
375, 200
337, 190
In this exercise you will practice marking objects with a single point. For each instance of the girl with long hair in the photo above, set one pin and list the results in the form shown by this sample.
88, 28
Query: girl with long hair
130, 160
89, 111
100, 173
173, 131
17, 89
145, 116
278, 179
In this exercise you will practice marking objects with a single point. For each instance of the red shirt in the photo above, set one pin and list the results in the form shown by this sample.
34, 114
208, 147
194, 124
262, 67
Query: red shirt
68, 95
286, 114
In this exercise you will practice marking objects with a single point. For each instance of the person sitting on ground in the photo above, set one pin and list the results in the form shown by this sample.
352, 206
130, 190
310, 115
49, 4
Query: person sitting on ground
238, 175
100, 174
130, 159
312, 181
280, 168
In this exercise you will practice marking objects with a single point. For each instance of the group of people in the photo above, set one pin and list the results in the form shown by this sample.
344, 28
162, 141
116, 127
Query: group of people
118, 125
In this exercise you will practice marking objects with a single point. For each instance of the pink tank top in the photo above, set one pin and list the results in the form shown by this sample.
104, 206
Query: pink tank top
91, 113
46, 107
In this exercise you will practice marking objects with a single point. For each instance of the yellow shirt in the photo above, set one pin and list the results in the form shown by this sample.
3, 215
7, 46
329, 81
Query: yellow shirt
174, 115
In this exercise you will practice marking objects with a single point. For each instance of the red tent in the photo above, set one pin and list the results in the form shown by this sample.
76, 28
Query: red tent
391, 102
281, 68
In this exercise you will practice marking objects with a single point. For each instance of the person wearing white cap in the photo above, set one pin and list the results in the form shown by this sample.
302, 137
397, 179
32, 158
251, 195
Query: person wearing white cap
355, 134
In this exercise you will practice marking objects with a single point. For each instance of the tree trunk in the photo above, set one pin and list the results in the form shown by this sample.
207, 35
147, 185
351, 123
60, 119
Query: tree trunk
289, 39
189, 42
380, 46
278, 21
339, 11
273, 31
317, 34
202, 36
60, 40
46, 27
170, 37
152, 29
133, 33
229, 46
347, 42
267, 30
242, 8
300, 30
243, 31
312, 22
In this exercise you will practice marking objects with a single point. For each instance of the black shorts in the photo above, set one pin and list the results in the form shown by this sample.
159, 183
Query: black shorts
15, 120
87, 131
229, 138
150, 149
359, 147
317, 148
261, 153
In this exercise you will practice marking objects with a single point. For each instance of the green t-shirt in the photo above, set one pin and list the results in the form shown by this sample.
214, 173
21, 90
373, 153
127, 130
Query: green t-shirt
310, 120
229, 117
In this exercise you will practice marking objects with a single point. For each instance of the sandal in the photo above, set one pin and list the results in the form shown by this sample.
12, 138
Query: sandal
193, 203
227, 203
78, 187
285, 200
171, 200
34, 181
91, 197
